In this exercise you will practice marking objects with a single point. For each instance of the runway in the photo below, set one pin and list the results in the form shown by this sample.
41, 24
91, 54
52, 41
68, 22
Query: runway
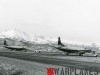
48, 60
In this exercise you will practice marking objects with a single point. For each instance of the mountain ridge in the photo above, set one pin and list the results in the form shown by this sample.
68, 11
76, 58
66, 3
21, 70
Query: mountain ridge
39, 39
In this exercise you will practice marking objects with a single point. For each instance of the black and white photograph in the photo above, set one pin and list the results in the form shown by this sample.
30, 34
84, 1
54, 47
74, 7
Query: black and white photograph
49, 37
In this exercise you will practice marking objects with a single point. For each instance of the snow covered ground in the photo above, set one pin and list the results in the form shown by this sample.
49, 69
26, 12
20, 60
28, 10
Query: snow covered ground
10, 66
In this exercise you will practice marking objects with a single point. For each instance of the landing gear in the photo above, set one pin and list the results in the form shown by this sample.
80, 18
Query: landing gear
12, 50
80, 54
67, 53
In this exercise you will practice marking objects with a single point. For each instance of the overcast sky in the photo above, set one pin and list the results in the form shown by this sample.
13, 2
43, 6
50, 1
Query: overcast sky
77, 20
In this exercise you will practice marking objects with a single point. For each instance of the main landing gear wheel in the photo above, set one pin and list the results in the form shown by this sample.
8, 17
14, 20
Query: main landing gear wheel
80, 54
67, 53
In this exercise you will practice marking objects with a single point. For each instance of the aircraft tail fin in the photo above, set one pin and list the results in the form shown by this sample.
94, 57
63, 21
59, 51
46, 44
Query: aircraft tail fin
5, 43
59, 42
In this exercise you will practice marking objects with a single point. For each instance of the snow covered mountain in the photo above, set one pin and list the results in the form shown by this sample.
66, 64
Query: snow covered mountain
39, 39
15, 34
20, 35
43, 40
49, 40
